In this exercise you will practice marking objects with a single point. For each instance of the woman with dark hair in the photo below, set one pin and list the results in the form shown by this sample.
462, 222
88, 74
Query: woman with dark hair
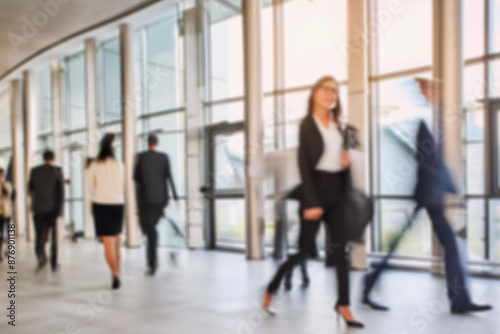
106, 180
323, 164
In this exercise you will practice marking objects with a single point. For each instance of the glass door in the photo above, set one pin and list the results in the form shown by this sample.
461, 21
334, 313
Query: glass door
225, 185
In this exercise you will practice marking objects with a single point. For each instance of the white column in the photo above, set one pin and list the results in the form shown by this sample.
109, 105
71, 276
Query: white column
358, 94
253, 127
17, 167
194, 122
29, 145
453, 120
57, 131
447, 72
129, 131
92, 133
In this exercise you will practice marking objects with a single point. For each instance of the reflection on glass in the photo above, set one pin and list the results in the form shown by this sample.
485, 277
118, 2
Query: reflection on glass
229, 161
230, 221
315, 41
475, 168
395, 214
404, 36
475, 229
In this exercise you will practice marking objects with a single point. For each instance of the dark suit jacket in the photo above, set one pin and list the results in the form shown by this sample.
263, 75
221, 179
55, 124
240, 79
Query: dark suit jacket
310, 151
46, 185
152, 172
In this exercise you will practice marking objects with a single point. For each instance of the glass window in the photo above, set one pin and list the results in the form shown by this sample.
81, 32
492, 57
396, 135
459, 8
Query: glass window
226, 47
494, 25
173, 121
174, 146
110, 97
163, 68
394, 216
475, 168
473, 30
475, 229
44, 97
404, 35
401, 107
314, 39
228, 112
473, 85
75, 92
494, 84
475, 125
5, 135
494, 237
230, 221
171, 228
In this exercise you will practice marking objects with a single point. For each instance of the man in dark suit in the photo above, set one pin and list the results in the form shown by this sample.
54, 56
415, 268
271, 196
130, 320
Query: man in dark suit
46, 187
152, 173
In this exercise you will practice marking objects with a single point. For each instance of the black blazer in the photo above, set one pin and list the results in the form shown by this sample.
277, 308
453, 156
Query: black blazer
46, 185
310, 151
152, 172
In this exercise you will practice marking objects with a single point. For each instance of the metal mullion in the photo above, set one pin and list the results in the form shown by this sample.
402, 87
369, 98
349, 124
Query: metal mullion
224, 101
398, 74
163, 112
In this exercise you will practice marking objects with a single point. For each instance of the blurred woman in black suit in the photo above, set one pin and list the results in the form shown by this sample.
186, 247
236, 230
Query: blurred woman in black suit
323, 163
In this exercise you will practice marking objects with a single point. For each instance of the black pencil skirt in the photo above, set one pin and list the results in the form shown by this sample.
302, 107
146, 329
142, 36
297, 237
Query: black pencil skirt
108, 219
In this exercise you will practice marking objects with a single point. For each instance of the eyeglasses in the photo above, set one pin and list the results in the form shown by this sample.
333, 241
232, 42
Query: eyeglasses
326, 89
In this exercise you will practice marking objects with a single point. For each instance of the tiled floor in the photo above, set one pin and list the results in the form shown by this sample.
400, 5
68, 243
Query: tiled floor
219, 293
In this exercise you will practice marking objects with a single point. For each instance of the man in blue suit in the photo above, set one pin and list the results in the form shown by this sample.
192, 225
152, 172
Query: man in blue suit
434, 182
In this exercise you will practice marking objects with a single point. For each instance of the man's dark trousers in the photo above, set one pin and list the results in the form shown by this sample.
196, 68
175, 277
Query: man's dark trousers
44, 222
150, 216
455, 266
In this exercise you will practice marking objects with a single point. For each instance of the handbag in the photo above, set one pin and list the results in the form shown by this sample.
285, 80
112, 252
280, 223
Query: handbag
356, 211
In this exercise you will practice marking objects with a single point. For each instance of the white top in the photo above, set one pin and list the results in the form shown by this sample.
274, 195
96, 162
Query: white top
332, 147
107, 182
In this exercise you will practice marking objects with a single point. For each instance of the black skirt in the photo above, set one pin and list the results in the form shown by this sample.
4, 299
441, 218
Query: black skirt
108, 219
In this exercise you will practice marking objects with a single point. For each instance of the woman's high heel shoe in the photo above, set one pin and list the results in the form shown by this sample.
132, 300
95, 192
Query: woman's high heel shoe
116, 283
350, 323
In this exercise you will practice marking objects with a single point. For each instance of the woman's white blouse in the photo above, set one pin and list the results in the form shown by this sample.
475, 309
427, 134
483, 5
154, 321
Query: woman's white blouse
107, 182
332, 144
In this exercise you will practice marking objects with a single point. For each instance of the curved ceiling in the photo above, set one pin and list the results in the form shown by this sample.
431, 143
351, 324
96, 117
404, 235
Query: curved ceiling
29, 26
